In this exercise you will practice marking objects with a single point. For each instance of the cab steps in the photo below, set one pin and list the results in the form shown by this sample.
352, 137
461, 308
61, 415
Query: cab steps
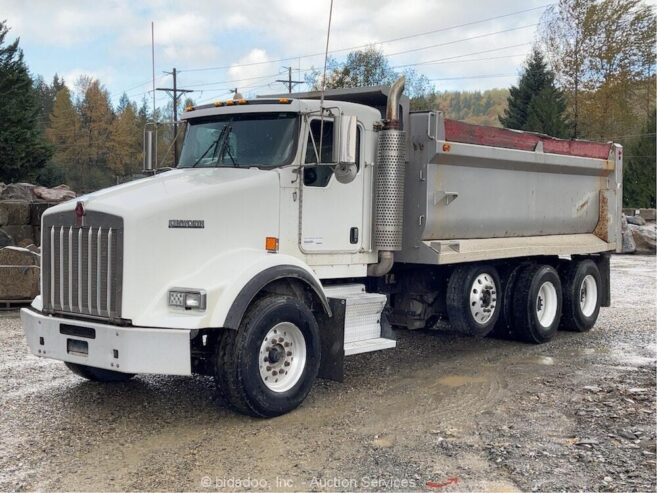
362, 325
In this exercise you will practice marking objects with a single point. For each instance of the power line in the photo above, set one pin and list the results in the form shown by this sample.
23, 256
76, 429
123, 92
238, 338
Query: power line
392, 40
290, 83
175, 93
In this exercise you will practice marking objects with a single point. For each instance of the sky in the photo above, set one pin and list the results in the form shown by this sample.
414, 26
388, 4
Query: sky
217, 45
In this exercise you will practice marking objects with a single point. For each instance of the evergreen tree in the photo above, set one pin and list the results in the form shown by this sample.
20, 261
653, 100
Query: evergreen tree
536, 104
639, 173
125, 140
22, 149
64, 133
46, 94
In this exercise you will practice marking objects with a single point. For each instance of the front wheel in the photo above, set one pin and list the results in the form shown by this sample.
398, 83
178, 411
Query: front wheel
267, 367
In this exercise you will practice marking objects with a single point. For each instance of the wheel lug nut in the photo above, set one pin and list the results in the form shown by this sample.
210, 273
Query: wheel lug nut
287, 363
289, 353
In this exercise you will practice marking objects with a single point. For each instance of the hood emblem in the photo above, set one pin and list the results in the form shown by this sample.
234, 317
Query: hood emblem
79, 214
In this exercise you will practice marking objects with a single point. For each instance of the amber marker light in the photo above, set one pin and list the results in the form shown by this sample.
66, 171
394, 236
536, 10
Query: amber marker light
271, 244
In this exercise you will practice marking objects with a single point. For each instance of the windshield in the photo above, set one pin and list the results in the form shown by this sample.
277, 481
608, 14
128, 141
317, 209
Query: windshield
240, 140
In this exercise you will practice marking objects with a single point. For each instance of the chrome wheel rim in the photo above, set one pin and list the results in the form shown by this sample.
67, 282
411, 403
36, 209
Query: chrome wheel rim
546, 304
282, 357
483, 298
588, 295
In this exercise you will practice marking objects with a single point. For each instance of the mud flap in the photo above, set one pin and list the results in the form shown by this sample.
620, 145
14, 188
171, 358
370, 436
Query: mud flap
331, 329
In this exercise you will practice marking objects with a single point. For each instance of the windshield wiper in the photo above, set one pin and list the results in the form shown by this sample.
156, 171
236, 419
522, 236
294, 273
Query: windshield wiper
225, 145
214, 145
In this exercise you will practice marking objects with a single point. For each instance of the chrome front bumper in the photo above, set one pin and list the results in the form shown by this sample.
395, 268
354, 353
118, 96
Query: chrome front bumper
123, 349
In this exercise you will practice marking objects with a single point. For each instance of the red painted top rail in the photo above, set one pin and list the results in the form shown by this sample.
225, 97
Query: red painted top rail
467, 133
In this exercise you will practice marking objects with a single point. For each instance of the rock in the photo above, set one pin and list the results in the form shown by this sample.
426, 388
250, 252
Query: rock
628, 238
36, 211
645, 238
18, 256
6, 239
19, 282
638, 220
19, 233
4, 216
17, 191
17, 212
34, 248
53, 194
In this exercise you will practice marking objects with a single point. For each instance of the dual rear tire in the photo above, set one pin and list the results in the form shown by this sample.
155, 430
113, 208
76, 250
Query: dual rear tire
530, 302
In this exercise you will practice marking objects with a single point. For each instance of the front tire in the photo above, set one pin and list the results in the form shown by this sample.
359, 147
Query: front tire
98, 374
536, 304
267, 367
582, 294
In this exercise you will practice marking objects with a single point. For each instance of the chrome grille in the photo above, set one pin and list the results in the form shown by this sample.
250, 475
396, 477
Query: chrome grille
82, 266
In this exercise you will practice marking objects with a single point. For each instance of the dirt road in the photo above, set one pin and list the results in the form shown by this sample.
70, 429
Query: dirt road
440, 413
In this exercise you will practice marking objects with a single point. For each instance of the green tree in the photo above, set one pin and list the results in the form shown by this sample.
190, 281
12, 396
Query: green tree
639, 173
536, 104
365, 68
23, 151
603, 53
46, 94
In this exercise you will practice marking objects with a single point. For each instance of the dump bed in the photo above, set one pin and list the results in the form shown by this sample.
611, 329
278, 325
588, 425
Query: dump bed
475, 192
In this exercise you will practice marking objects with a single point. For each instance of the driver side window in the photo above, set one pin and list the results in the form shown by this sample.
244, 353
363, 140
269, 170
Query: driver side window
318, 176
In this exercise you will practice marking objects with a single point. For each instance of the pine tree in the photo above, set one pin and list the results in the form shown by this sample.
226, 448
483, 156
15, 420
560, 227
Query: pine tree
126, 147
96, 116
536, 104
22, 149
64, 134
639, 174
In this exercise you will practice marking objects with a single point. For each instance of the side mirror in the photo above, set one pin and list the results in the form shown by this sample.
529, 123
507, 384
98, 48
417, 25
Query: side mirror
347, 141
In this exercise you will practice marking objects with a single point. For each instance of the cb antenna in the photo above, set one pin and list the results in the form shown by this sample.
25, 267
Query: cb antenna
321, 100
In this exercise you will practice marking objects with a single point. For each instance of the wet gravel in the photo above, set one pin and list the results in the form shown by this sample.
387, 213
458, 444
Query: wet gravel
441, 412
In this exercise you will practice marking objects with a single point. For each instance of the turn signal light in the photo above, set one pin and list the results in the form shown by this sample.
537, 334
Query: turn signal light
271, 244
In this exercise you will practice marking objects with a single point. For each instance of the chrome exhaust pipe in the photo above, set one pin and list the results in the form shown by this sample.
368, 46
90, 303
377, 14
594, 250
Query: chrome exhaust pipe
390, 169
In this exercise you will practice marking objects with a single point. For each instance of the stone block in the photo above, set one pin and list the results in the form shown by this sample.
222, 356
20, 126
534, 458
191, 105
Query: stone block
17, 212
19, 282
18, 256
20, 233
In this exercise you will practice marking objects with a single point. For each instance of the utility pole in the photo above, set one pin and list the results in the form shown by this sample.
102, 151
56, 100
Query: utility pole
175, 93
290, 83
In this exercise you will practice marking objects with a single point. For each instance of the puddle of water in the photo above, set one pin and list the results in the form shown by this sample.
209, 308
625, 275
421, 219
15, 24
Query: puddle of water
541, 360
459, 380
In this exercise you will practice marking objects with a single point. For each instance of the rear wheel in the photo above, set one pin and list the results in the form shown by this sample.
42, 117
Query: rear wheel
504, 327
581, 295
98, 374
536, 304
267, 367
473, 299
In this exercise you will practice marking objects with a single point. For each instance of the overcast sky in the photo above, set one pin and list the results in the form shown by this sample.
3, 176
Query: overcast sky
111, 40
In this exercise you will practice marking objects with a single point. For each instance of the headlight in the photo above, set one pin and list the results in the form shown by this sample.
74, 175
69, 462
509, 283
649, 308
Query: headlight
189, 299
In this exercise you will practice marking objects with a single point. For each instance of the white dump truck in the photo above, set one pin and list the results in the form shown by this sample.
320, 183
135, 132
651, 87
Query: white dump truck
297, 231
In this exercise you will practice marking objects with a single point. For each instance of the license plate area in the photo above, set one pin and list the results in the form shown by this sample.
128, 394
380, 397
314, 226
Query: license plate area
77, 347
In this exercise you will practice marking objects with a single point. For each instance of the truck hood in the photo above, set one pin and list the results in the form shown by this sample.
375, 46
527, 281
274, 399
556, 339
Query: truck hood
176, 224
179, 186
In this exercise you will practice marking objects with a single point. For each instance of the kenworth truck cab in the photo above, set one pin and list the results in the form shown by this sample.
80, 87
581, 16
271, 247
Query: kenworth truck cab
297, 232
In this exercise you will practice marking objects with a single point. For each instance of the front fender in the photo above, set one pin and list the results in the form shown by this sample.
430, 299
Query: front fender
230, 280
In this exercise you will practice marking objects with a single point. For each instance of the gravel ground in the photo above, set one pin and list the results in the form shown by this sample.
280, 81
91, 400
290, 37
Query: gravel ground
441, 412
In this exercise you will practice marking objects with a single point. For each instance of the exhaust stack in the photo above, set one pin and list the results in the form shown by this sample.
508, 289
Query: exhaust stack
390, 166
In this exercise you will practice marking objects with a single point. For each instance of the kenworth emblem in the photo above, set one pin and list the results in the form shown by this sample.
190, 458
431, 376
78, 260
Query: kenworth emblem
79, 214
187, 223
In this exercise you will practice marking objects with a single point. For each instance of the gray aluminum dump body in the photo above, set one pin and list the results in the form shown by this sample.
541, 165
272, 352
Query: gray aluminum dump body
466, 202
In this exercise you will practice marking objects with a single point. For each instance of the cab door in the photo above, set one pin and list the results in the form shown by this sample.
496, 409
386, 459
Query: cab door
331, 212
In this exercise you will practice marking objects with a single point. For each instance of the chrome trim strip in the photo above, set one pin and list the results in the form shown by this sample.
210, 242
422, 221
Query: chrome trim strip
80, 270
61, 267
109, 271
89, 271
52, 267
98, 269
70, 268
